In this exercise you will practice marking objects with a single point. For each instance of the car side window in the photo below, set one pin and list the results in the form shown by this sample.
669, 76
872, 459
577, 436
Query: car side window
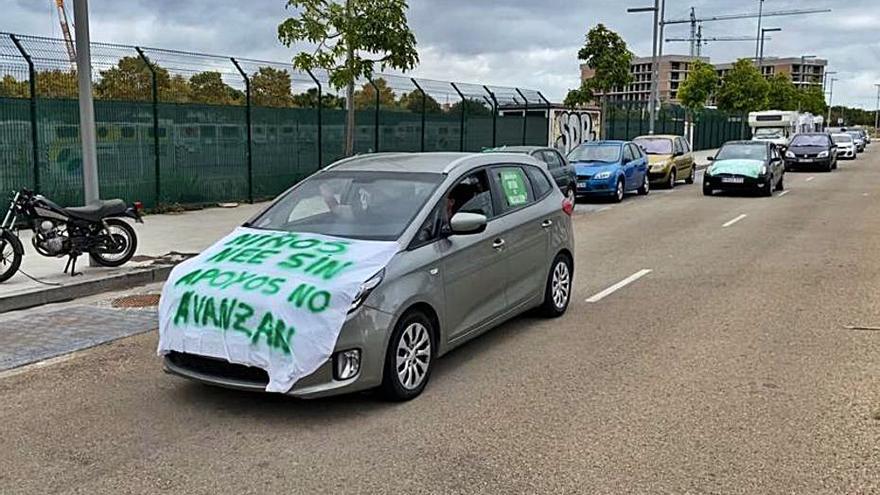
628, 155
514, 187
539, 181
678, 148
686, 145
551, 159
471, 194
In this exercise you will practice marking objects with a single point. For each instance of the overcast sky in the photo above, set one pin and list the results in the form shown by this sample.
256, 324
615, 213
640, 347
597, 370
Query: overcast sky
527, 43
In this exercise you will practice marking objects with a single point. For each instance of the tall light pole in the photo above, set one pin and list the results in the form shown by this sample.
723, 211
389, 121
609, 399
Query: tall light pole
877, 112
825, 79
654, 72
758, 36
830, 98
86, 104
761, 51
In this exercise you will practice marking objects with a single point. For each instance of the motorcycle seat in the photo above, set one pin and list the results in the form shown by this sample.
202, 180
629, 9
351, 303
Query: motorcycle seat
98, 210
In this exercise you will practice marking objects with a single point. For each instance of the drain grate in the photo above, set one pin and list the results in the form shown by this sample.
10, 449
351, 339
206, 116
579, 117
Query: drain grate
137, 301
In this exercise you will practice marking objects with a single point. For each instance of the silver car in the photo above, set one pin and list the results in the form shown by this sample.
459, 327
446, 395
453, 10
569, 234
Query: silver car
484, 238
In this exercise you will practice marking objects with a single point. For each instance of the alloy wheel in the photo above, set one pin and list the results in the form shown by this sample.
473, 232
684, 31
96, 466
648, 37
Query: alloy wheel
560, 285
619, 191
413, 356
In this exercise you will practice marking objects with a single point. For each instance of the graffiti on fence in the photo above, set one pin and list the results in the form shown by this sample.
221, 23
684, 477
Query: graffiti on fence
569, 128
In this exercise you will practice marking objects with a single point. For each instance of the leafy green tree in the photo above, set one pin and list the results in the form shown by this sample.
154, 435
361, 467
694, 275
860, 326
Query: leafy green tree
812, 100
701, 83
57, 83
782, 94
352, 39
309, 99
365, 97
412, 101
11, 87
606, 53
472, 106
131, 79
743, 89
208, 87
178, 90
270, 87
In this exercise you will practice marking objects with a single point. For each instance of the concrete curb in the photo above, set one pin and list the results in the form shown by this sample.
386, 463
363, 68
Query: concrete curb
63, 293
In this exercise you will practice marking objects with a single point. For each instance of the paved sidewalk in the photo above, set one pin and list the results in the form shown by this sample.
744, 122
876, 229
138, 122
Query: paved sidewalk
188, 233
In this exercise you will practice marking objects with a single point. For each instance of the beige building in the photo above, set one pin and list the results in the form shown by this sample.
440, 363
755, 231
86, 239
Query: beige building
673, 70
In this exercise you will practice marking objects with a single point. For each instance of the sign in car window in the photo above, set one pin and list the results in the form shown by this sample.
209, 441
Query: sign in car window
513, 184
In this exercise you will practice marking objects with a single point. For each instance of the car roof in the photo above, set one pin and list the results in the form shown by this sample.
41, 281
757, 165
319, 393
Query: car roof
431, 162
604, 141
746, 141
657, 136
515, 149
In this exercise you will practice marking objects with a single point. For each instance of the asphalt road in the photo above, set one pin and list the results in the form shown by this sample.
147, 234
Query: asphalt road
725, 369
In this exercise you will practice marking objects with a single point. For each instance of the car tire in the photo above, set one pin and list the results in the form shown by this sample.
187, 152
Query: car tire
619, 192
646, 186
834, 164
690, 177
670, 184
412, 336
780, 186
557, 292
828, 168
707, 191
768, 188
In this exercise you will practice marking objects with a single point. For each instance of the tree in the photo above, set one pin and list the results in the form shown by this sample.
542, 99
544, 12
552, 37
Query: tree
781, 93
208, 87
472, 106
812, 100
700, 85
309, 99
351, 39
11, 87
130, 79
178, 90
412, 101
743, 89
606, 53
366, 96
271, 88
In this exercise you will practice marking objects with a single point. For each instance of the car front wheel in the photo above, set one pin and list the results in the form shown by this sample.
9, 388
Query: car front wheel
410, 357
672, 179
646, 186
619, 191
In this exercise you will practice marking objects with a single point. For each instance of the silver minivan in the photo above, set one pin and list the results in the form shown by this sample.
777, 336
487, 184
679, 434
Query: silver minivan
483, 238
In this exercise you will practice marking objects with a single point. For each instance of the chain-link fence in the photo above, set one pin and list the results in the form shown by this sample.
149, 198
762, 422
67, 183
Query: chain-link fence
181, 127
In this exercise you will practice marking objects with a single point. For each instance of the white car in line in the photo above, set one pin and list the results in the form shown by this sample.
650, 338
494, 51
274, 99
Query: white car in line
846, 146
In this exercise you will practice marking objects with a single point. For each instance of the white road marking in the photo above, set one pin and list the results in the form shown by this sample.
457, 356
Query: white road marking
811, 178
783, 193
606, 208
731, 222
619, 285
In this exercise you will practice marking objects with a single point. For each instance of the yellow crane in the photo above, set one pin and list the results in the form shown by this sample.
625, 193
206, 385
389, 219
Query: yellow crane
65, 30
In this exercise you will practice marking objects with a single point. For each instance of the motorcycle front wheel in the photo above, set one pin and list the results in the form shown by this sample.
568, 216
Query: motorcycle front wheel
10, 255
117, 244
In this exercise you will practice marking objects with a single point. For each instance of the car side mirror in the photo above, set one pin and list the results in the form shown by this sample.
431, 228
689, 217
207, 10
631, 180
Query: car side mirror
464, 223
710, 158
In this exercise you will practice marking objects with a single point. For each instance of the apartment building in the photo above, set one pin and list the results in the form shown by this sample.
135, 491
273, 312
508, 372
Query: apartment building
673, 70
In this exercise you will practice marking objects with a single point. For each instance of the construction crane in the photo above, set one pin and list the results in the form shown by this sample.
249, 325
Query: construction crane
694, 21
65, 30
699, 40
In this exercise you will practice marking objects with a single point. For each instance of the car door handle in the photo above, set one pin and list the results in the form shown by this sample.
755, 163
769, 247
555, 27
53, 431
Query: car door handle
498, 244
547, 223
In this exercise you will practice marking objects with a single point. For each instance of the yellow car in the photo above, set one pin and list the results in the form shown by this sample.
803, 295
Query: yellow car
669, 157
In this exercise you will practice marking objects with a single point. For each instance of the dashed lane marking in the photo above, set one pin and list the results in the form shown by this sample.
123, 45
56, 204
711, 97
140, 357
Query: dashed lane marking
619, 285
733, 221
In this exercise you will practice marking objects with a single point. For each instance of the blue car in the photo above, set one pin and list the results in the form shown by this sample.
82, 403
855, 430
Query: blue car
610, 169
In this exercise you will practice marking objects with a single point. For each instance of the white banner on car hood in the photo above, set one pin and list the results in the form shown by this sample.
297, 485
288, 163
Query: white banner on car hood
274, 300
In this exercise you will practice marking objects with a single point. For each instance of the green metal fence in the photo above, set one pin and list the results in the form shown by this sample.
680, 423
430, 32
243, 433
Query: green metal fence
713, 128
178, 127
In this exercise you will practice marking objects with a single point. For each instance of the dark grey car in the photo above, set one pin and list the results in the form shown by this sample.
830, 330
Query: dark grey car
483, 238
564, 174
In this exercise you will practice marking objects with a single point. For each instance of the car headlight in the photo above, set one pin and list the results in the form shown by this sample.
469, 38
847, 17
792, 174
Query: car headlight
764, 170
602, 175
822, 154
659, 166
365, 289
789, 154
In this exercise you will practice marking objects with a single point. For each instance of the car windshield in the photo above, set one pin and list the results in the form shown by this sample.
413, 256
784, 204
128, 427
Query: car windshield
742, 151
855, 135
358, 205
768, 132
809, 140
655, 146
605, 153
841, 138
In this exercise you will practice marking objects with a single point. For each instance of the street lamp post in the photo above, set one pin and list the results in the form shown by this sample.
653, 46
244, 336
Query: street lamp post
830, 98
825, 79
877, 112
758, 42
654, 72
761, 51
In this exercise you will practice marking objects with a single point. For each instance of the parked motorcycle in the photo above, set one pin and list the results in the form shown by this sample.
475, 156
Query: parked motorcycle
96, 229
